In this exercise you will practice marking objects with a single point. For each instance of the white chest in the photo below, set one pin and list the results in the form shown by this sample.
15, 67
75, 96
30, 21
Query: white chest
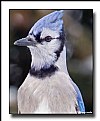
54, 94
43, 107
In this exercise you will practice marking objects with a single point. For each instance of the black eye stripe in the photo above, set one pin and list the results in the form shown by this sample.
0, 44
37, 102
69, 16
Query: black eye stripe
47, 38
37, 37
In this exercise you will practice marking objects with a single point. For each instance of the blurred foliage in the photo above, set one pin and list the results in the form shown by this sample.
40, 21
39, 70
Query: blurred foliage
78, 25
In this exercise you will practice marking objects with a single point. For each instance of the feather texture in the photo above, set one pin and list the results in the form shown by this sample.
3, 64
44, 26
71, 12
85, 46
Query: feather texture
55, 92
52, 21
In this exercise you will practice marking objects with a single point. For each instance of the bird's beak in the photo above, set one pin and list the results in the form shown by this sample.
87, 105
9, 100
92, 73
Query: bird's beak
25, 42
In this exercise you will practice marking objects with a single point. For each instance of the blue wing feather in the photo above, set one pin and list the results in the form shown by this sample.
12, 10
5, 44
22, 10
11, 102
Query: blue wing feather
79, 98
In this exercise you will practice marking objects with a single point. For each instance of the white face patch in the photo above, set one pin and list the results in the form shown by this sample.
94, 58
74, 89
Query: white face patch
54, 44
43, 55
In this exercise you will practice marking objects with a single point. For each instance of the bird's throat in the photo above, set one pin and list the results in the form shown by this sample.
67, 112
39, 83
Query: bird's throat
43, 70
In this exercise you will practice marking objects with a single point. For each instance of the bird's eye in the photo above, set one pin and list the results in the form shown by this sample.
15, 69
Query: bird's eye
48, 38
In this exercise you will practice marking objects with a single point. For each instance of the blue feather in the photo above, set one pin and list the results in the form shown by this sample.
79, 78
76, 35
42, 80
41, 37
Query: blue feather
79, 98
52, 21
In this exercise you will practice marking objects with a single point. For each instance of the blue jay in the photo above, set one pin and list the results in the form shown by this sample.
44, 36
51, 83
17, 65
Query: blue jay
48, 87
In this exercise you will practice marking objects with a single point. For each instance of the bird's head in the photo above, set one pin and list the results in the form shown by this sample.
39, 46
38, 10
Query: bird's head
45, 40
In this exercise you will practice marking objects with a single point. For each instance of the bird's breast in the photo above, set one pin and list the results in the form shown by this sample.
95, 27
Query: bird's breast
53, 94
43, 107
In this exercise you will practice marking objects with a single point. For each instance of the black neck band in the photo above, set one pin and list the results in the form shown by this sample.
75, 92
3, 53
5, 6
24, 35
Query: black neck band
43, 72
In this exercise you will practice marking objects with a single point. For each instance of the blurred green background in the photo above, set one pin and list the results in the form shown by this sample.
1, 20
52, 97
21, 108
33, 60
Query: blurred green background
78, 25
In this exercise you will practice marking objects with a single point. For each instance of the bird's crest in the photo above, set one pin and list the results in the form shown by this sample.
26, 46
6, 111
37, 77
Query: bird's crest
52, 21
